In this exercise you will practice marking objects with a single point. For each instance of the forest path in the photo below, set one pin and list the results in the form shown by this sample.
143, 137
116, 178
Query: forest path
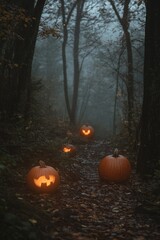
84, 207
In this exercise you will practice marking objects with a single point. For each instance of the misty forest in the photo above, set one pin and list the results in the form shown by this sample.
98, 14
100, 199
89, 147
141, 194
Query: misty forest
79, 120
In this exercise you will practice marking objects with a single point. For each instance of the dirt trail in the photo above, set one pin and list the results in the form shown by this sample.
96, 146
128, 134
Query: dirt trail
85, 208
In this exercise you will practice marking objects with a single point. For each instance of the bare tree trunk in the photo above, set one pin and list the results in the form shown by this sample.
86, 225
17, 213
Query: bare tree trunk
116, 92
148, 156
64, 45
76, 80
38, 9
18, 52
124, 21
71, 106
65, 21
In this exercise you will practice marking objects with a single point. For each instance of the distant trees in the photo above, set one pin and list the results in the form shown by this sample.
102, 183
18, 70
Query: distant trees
148, 159
75, 20
47, 85
95, 27
72, 106
122, 56
82, 32
129, 80
19, 23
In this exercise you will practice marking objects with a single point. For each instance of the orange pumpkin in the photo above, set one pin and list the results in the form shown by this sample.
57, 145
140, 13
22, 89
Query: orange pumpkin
114, 168
69, 149
87, 131
43, 178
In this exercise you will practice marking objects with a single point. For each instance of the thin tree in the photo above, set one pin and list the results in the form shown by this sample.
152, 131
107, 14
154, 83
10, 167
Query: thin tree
72, 107
124, 22
116, 90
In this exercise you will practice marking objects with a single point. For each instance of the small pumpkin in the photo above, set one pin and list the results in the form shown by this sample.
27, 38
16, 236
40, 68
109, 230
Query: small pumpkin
87, 131
114, 168
69, 149
43, 178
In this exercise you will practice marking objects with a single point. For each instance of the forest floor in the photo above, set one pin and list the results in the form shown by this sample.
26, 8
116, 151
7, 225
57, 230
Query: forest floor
83, 207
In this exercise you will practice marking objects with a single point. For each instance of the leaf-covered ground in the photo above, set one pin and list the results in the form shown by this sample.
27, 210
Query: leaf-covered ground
82, 208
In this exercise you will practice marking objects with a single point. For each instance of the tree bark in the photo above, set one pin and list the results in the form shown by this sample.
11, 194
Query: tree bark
148, 155
65, 21
76, 79
18, 54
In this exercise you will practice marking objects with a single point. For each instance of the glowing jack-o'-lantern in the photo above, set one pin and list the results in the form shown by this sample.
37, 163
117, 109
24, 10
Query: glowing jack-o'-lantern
114, 168
86, 131
66, 149
69, 149
43, 178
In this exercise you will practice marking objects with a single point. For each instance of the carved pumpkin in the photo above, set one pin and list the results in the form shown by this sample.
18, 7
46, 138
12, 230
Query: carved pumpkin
43, 178
69, 149
114, 168
87, 131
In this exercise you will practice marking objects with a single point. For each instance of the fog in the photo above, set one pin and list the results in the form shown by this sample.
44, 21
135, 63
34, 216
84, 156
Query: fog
97, 89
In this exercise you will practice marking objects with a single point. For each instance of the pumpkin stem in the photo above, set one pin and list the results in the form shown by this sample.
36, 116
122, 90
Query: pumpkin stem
42, 164
115, 153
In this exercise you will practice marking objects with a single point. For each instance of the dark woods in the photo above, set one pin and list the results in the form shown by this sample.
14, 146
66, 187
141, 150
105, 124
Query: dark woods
19, 30
149, 148
83, 205
19, 25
